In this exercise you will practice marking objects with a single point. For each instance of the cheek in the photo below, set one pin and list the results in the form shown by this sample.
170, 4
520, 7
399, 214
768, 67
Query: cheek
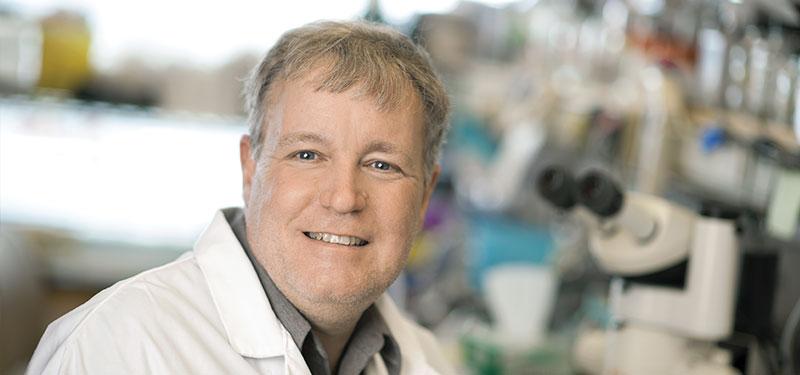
277, 199
399, 210
398, 215
261, 187
285, 191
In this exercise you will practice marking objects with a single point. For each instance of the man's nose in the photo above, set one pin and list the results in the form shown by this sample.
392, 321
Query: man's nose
342, 191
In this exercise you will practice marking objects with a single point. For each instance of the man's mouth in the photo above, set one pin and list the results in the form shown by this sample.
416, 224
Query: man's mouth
336, 239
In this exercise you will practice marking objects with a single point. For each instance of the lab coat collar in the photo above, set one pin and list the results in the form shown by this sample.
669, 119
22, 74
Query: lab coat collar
405, 333
240, 300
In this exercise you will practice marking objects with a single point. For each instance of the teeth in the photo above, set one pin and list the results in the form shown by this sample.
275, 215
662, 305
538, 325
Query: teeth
335, 239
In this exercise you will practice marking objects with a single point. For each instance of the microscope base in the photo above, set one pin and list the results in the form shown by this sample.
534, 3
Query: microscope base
638, 349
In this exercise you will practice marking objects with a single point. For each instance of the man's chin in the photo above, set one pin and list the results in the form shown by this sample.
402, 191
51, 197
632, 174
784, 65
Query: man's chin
343, 297
323, 294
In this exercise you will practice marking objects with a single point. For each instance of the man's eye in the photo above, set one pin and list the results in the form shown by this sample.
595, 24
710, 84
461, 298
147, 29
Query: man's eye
306, 155
380, 165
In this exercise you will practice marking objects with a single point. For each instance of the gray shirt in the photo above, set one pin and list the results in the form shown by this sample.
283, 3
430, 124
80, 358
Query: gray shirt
370, 336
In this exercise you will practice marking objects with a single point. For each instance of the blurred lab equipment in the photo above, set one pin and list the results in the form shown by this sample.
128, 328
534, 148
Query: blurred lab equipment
675, 276
520, 321
21, 43
21, 297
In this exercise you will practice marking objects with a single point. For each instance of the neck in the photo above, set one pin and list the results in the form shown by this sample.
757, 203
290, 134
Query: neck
334, 345
333, 328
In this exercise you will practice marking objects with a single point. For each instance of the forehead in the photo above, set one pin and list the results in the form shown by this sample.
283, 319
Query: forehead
388, 87
308, 99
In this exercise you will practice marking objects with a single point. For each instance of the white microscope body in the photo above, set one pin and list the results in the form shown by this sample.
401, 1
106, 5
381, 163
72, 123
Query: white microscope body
662, 329
668, 330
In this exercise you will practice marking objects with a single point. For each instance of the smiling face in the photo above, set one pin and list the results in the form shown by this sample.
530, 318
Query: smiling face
334, 200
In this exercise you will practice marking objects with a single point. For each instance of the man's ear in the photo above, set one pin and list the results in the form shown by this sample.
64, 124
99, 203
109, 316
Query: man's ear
429, 187
248, 166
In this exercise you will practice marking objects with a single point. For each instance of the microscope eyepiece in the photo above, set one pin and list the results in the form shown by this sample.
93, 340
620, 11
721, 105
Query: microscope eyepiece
600, 194
557, 186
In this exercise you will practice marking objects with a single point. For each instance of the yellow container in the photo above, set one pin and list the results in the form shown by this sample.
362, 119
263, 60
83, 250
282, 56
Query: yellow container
65, 52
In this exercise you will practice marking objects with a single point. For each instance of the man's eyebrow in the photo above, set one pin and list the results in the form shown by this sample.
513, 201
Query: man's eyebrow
388, 148
302, 137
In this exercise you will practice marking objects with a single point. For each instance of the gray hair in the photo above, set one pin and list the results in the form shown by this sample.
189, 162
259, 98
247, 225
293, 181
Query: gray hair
380, 62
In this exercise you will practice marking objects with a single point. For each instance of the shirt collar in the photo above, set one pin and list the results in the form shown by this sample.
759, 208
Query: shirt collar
371, 336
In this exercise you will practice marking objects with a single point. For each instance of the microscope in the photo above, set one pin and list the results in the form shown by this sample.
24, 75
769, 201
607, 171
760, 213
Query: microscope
674, 274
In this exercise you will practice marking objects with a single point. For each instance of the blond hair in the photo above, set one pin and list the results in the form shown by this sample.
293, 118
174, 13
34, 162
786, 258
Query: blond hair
378, 61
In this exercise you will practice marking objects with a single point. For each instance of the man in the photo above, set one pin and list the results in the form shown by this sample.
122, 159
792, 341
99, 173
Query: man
346, 122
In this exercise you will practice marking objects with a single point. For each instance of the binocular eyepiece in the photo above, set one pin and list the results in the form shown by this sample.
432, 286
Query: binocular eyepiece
557, 186
595, 190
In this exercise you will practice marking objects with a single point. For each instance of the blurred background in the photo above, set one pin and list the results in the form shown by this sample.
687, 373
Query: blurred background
119, 124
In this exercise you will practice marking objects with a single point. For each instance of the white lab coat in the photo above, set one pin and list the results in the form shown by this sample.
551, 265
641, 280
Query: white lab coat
204, 313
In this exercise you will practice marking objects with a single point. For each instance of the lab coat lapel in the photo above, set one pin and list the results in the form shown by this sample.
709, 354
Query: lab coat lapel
295, 364
413, 358
251, 325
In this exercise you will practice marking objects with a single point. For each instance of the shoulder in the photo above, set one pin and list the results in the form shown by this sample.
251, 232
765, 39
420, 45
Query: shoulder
417, 344
150, 294
432, 350
119, 324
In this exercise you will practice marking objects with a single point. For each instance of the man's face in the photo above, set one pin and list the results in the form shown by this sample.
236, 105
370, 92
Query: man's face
337, 195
